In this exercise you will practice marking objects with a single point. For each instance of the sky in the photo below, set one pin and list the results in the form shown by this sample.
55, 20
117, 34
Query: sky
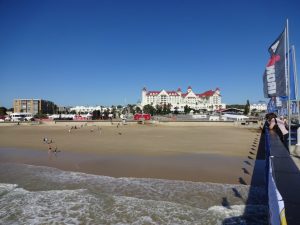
104, 52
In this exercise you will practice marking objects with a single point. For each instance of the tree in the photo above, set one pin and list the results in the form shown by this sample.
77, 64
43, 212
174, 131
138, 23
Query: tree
168, 108
113, 111
96, 114
247, 108
131, 108
165, 109
124, 111
138, 109
235, 106
176, 110
158, 109
149, 109
3, 111
187, 109
40, 116
253, 112
106, 112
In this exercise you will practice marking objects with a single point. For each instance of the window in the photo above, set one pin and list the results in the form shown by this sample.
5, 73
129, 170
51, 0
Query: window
163, 99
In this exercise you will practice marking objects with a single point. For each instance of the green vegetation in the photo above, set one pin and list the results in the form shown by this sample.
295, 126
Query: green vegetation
96, 115
3, 111
40, 116
149, 109
187, 109
138, 110
235, 106
247, 108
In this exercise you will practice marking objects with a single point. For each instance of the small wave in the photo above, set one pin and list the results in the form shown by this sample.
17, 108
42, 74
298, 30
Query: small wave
6, 188
195, 194
43, 195
20, 206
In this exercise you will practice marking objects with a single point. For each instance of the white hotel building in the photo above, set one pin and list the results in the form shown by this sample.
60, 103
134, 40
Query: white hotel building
209, 100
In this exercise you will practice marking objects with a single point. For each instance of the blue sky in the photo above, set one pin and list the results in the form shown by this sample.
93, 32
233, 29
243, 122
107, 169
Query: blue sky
104, 52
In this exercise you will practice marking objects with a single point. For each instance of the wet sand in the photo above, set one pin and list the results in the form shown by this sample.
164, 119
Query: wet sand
207, 154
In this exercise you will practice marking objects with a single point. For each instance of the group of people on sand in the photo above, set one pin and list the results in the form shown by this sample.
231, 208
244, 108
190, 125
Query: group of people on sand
81, 126
50, 148
279, 125
75, 128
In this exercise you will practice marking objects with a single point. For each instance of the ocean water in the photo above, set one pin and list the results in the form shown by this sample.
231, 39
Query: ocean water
43, 195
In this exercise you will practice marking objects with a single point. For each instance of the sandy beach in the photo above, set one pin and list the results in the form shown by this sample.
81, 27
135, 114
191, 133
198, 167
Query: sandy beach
196, 153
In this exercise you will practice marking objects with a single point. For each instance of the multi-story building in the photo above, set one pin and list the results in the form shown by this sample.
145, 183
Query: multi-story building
34, 106
209, 100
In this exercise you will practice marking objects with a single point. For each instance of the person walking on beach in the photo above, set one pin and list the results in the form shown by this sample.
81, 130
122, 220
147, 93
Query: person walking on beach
279, 126
49, 150
55, 151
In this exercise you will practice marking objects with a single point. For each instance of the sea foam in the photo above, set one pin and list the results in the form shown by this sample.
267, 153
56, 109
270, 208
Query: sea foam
42, 195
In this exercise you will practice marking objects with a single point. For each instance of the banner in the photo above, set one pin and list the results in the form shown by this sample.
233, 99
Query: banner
276, 203
275, 104
283, 110
275, 75
271, 108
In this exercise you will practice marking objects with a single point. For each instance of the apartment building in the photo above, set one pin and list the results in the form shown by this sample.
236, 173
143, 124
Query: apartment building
35, 106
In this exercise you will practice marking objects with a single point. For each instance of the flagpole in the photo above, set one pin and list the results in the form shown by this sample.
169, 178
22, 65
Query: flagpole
296, 80
288, 81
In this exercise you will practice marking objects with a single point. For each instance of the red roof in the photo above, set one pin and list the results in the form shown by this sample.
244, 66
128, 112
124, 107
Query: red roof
207, 93
173, 93
153, 93
189, 87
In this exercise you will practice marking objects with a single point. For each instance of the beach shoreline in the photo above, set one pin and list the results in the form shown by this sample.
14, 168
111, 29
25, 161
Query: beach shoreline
206, 154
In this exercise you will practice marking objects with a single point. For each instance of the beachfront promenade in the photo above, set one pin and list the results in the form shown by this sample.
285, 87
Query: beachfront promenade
286, 175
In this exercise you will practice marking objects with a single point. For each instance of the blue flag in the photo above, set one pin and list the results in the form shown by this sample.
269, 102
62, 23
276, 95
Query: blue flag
271, 108
292, 77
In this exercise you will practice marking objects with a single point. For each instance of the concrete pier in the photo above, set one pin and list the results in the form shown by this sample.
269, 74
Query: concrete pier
287, 177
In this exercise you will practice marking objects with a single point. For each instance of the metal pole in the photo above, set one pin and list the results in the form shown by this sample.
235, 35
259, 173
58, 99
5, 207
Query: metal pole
296, 80
288, 80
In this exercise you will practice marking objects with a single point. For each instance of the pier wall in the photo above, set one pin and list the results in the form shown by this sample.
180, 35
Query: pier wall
283, 181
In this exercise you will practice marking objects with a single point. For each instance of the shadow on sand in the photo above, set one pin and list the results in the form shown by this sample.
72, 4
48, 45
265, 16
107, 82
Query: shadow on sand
254, 200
